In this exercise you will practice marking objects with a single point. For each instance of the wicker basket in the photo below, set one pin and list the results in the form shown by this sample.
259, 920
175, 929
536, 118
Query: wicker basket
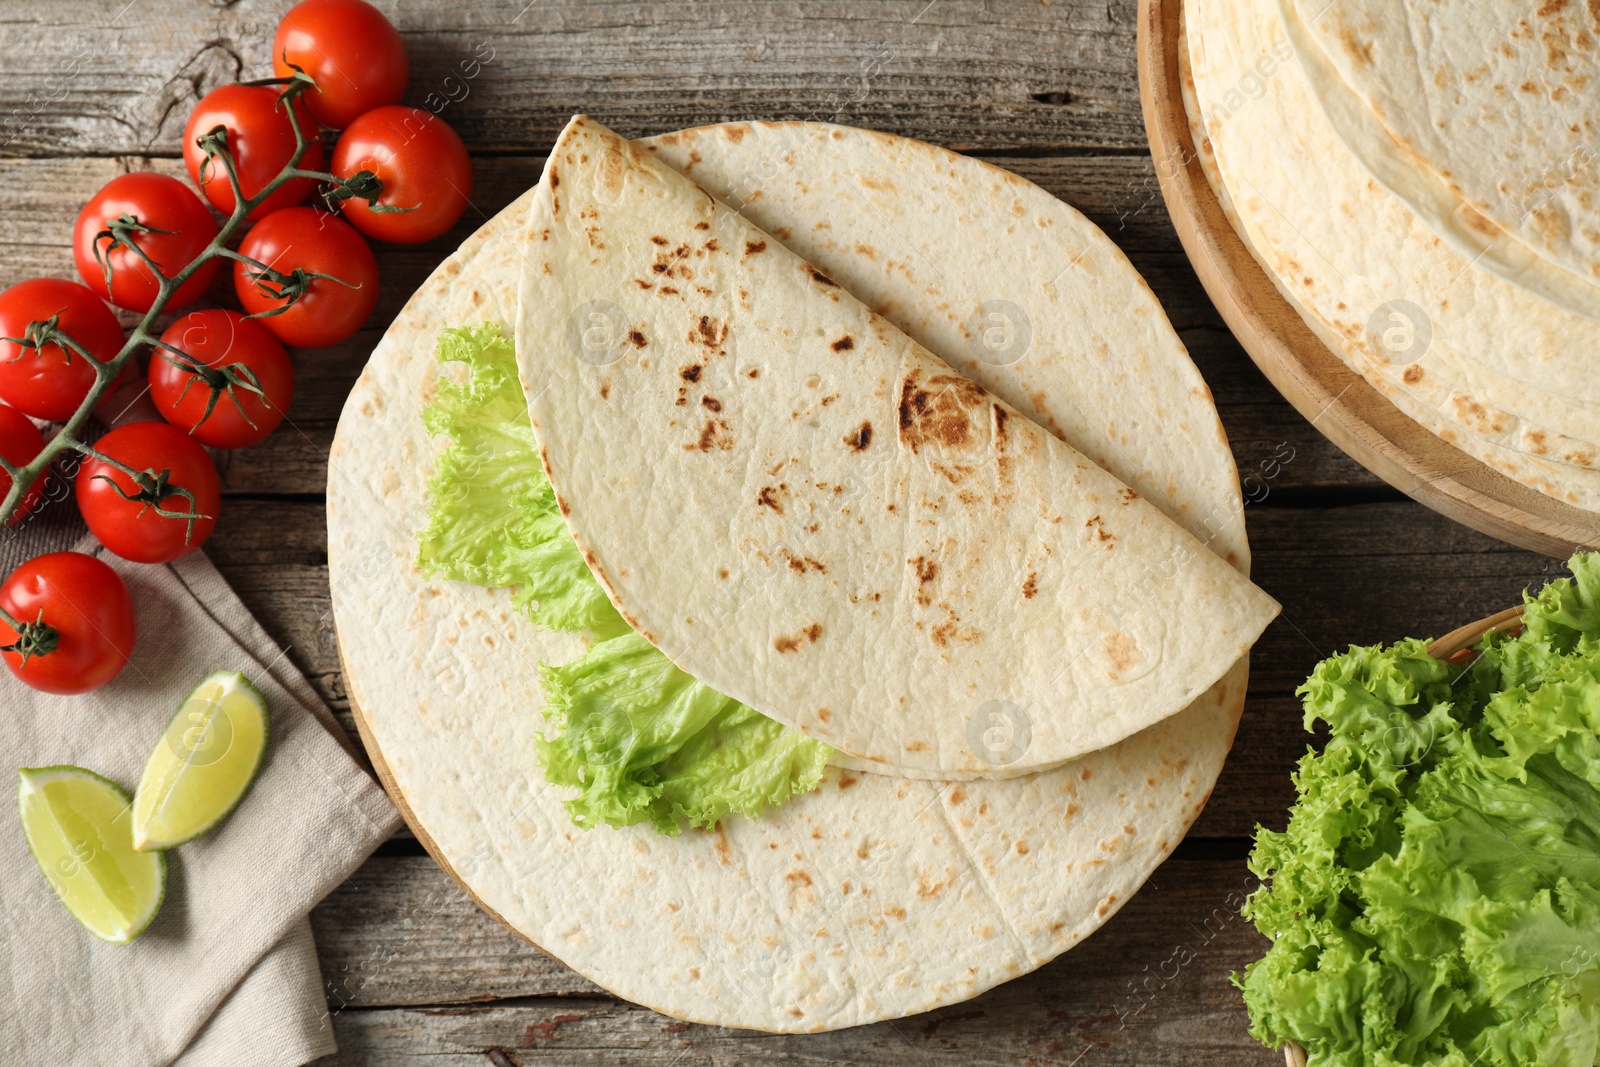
1453, 647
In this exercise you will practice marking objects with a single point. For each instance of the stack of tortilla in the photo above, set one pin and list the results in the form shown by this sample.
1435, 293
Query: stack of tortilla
1419, 179
886, 443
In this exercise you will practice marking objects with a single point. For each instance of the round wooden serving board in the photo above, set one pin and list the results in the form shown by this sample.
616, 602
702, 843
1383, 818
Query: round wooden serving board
1335, 399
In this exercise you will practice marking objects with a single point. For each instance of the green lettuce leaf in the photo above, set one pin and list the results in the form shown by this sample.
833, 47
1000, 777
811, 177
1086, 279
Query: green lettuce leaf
645, 742
638, 738
1435, 898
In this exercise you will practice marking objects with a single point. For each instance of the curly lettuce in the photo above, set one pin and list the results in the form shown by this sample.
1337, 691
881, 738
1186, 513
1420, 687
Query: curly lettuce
1435, 898
640, 740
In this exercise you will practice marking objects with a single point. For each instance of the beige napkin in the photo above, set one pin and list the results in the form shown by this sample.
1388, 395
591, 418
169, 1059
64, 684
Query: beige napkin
227, 973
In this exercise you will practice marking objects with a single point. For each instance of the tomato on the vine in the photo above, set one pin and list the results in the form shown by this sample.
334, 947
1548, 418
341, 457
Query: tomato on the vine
49, 381
77, 623
162, 217
261, 141
351, 51
424, 168
20, 441
235, 386
317, 253
167, 511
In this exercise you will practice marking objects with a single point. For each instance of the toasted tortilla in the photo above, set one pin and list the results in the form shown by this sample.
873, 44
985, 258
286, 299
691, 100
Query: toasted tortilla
1498, 371
811, 513
874, 897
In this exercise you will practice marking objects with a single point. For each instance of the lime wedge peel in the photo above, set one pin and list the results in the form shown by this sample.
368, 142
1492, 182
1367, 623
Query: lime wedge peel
204, 764
79, 830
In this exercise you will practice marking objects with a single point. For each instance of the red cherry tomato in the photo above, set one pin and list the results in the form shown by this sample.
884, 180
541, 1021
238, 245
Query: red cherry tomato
50, 382
20, 441
332, 308
160, 203
87, 627
133, 529
423, 166
222, 406
354, 54
261, 141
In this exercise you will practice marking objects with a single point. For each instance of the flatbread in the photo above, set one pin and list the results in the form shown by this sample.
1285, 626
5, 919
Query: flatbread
812, 514
883, 897
1481, 117
1352, 257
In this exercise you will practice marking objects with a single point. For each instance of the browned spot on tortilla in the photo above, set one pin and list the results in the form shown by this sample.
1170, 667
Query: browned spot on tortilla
1478, 222
753, 372
712, 246
895, 912
669, 290
605, 390
711, 403
714, 435
1022, 848
1104, 907
691, 373
844, 344
1030, 588
709, 333
1126, 495
724, 850
1097, 524
752, 248
659, 268
824, 715
771, 496
641, 283
861, 439
926, 570
637, 337
846, 780
1552, 7
1121, 649
823, 278
702, 225
659, 240
1072, 809
555, 179
1359, 50
791, 642
1537, 443
782, 233
938, 412
1413, 374
798, 877
802, 564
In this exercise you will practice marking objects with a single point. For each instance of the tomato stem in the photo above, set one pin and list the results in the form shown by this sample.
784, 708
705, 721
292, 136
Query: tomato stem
150, 488
36, 638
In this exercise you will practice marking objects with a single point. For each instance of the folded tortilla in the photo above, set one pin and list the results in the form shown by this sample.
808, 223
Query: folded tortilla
1483, 363
809, 512
874, 897
1481, 117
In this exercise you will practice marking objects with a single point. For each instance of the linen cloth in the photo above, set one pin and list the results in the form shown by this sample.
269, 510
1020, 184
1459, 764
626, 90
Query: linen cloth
227, 973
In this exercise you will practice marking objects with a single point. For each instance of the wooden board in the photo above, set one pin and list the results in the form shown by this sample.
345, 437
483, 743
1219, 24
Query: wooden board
1336, 400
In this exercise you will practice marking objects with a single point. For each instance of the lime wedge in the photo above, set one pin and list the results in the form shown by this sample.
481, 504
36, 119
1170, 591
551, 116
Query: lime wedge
79, 832
204, 763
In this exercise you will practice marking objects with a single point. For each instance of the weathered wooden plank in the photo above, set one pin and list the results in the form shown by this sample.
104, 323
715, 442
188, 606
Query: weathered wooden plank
1358, 574
91, 78
1151, 987
38, 199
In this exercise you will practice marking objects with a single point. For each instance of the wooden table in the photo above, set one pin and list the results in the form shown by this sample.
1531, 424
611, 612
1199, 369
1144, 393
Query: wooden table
415, 973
